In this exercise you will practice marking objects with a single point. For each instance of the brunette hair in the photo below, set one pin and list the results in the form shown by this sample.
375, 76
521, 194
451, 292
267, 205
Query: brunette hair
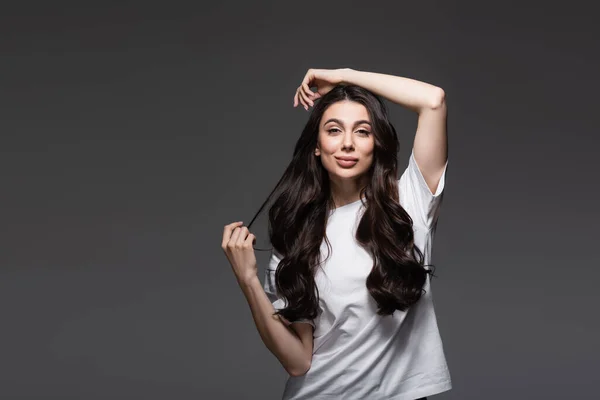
302, 201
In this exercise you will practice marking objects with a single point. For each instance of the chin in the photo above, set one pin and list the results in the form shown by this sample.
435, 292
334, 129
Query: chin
347, 174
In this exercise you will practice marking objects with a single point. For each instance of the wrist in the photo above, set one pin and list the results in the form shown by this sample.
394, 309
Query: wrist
248, 281
346, 75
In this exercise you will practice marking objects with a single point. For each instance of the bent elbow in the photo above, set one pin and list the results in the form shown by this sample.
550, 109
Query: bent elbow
439, 100
299, 371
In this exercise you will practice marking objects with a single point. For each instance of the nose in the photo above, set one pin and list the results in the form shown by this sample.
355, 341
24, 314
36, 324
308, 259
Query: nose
348, 141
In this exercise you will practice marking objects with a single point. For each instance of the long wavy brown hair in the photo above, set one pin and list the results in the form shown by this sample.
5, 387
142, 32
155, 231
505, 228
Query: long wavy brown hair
302, 201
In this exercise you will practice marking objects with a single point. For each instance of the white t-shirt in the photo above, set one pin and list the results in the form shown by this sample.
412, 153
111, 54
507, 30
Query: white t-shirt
358, 354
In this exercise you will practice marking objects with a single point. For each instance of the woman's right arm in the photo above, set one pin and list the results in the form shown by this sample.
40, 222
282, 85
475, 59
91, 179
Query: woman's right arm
293, 348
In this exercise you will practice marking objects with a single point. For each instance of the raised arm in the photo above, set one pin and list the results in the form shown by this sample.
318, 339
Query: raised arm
429, 101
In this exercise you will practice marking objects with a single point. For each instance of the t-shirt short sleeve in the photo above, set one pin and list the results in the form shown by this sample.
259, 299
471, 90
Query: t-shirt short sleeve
271, 288
417, 196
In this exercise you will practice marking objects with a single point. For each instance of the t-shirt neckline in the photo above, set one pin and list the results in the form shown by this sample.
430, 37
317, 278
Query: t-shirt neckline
347, 205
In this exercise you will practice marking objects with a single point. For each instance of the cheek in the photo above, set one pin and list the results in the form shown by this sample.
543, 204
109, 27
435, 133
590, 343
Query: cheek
367, 150
328, 147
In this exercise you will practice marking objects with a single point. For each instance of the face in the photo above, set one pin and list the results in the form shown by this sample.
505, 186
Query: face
345, 132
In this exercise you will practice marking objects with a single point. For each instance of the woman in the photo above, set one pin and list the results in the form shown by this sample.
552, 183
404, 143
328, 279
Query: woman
346, 305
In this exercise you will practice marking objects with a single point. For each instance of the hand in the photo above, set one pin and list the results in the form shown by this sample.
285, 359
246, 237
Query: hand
323, 79
237, 245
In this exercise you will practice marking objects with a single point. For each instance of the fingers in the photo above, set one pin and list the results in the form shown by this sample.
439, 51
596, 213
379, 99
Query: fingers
309, 93
237, 236
242, 232
303, 98
250, 240
303, 94
299, 98
234, 237
227, 233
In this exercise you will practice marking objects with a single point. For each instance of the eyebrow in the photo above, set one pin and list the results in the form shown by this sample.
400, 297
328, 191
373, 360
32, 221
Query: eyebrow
362, 121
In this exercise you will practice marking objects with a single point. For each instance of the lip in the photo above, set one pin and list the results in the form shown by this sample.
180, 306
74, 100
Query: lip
347, 158
346, 163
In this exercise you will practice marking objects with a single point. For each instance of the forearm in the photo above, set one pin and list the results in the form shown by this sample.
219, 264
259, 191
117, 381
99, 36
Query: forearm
278, 338
412, 94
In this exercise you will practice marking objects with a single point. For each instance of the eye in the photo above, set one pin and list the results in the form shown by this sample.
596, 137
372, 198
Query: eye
363, 131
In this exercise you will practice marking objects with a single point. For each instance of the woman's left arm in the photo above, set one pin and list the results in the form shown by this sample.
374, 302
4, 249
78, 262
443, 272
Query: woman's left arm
412, 94
431, 141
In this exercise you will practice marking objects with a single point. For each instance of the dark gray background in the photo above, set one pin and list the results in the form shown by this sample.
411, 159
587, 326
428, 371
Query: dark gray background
131, 134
